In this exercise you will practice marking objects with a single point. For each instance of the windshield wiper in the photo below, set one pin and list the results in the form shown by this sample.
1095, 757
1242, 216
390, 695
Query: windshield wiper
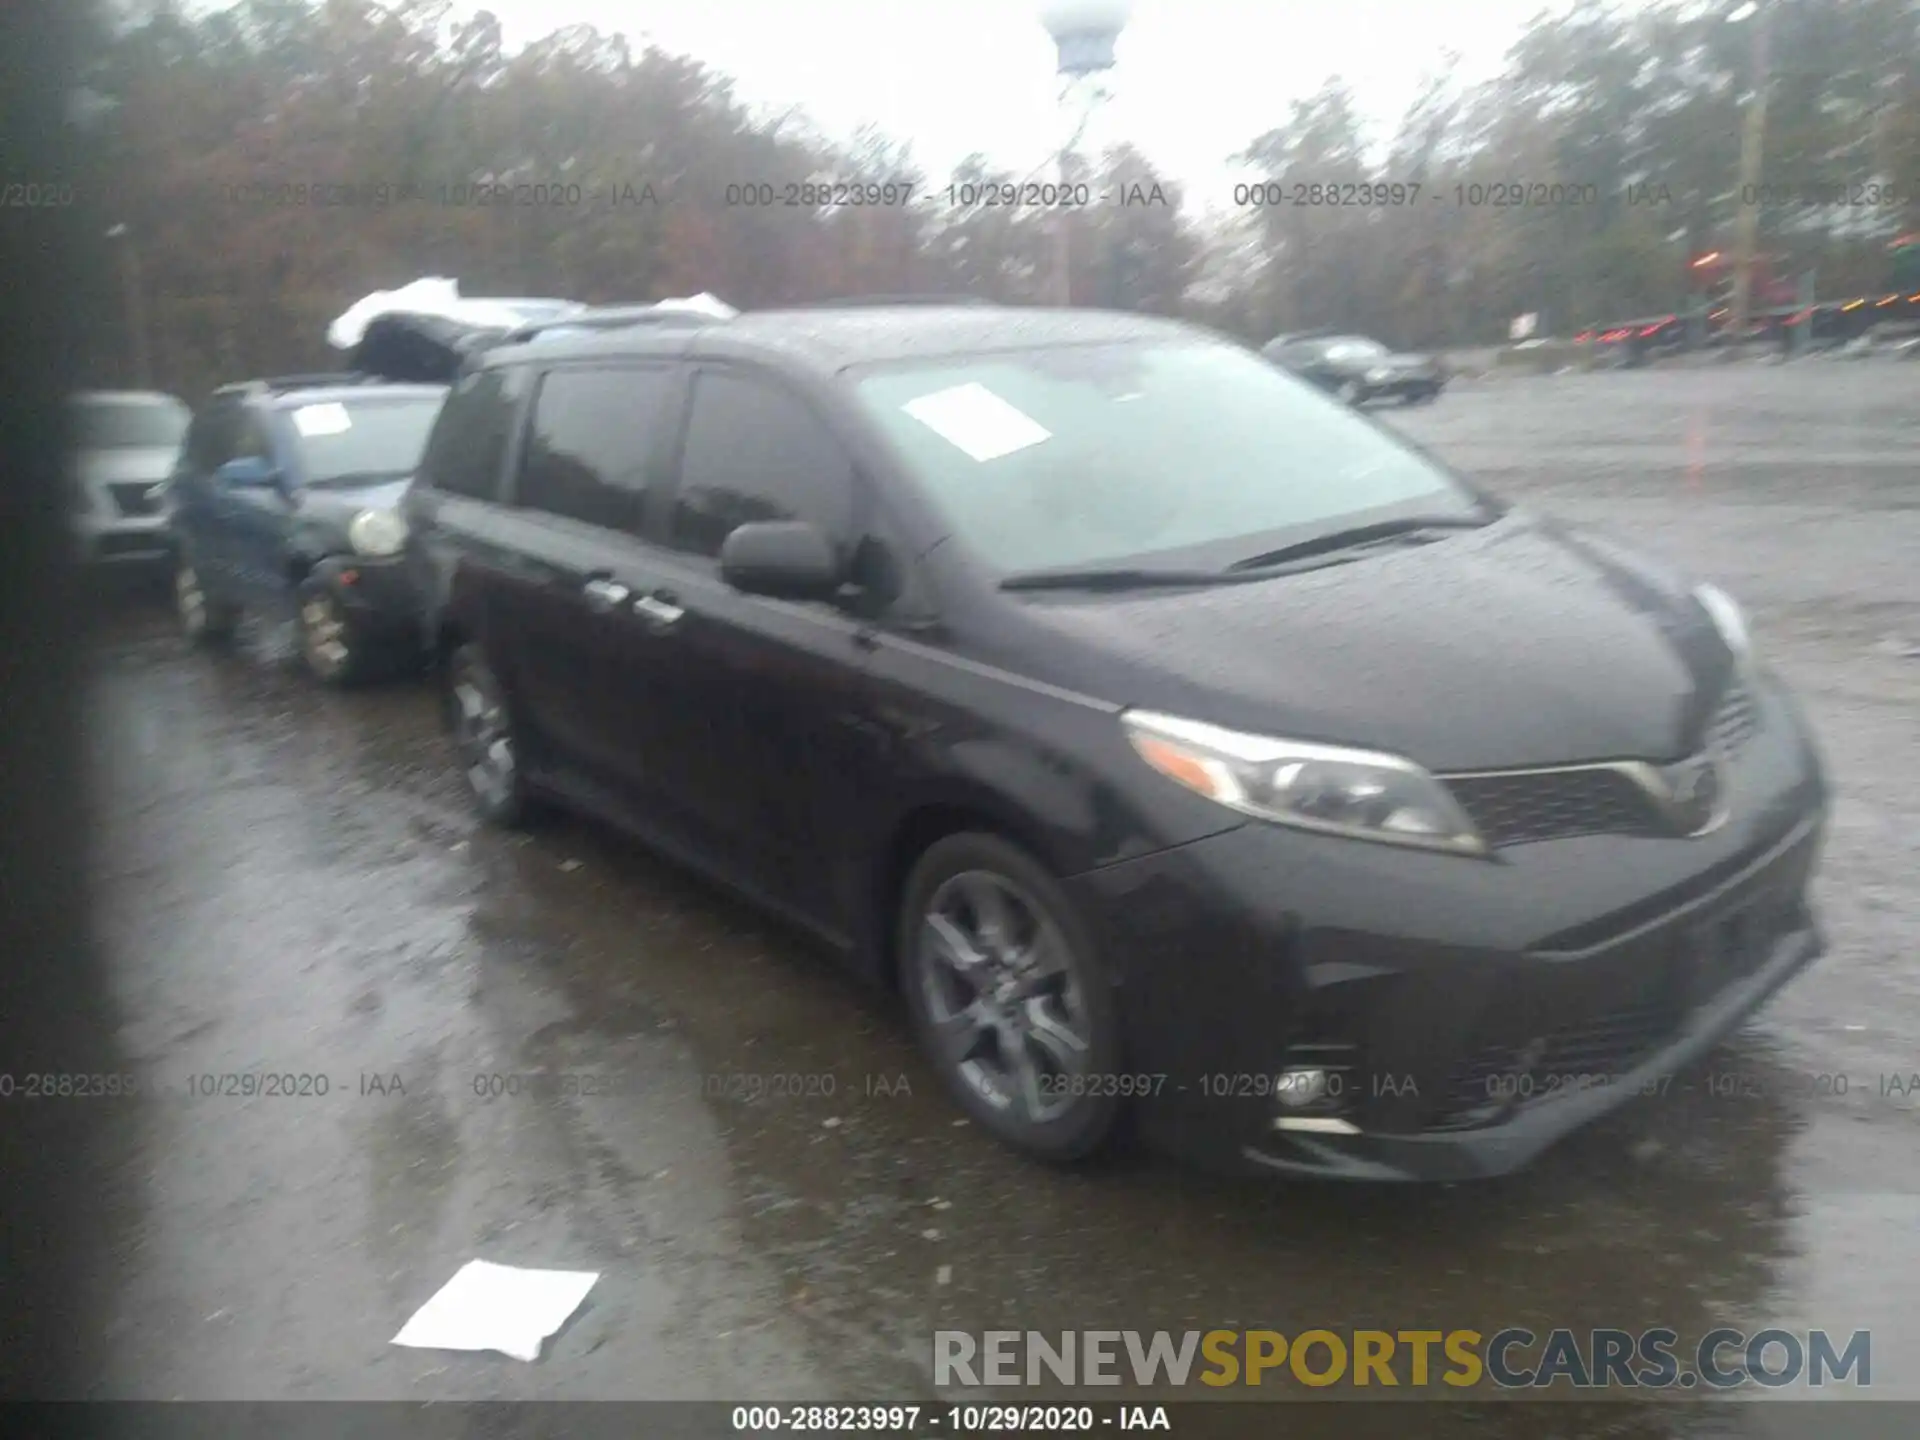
1110, 579
1357, 536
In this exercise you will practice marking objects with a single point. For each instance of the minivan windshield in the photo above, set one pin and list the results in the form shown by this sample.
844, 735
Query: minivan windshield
134, 422
1092, 455
360, 440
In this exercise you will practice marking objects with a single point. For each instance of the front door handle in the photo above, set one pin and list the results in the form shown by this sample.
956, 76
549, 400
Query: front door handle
605, 595
657, 611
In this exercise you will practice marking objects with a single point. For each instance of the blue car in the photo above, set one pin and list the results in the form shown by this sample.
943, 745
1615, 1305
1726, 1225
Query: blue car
284, 502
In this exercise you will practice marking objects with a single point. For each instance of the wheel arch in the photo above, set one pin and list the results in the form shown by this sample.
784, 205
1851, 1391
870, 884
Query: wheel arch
916, 831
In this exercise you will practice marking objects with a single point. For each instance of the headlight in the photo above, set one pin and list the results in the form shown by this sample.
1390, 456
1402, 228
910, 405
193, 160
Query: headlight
1728, 619
1358, 793
377, 532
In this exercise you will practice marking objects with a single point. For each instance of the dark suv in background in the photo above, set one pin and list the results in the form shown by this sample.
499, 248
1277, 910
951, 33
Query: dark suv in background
284, 501
1357, 369
1169, 734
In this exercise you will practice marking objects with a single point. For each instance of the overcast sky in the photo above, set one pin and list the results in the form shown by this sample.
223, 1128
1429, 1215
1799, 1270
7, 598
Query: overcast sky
1196, 79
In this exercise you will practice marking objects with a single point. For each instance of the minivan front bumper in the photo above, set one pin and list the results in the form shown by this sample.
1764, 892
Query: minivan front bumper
1462, 1014
379, 595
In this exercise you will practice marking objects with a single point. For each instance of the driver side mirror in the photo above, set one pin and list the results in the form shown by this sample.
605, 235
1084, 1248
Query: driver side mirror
784, 559
249, 472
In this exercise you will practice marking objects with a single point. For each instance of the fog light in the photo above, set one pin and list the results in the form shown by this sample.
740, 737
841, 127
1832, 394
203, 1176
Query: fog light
1296, 1089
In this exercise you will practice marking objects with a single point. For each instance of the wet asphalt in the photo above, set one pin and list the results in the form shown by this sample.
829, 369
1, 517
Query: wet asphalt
779, 1200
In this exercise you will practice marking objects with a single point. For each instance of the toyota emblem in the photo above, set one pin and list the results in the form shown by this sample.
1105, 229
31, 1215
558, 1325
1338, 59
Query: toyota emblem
1694, 792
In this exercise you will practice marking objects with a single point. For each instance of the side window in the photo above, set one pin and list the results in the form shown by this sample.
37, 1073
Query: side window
589, 444
468, 447
756, 453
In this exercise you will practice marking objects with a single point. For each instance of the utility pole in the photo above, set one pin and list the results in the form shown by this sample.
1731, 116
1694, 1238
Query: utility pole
1062, 231
1083, 34
1753, 132
134, 295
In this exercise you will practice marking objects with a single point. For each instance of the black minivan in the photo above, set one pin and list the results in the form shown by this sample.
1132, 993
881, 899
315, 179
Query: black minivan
1177, 740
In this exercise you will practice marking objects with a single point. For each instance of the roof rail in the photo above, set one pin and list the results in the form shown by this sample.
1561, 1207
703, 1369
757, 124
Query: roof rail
273, 383
611, 317
849, 301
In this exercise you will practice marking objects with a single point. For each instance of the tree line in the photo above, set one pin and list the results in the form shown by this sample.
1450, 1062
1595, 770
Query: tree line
1577, 184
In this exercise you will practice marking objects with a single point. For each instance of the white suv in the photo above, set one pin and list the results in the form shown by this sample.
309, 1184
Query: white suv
124, 446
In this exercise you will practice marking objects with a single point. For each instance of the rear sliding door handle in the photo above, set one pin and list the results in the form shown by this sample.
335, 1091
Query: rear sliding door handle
659, 612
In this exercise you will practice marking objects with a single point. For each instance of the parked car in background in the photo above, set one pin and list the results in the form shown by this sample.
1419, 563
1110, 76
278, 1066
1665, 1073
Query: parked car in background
124, 446
1358, 369
284, 500
1172, 737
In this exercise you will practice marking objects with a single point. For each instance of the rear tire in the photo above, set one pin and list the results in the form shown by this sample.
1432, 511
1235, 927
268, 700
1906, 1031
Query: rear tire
204, 620
486, 738
1008, 998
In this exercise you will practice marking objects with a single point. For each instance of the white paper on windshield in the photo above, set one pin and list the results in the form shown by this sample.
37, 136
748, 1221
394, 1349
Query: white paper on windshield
328, 419
497, 1307
977, 421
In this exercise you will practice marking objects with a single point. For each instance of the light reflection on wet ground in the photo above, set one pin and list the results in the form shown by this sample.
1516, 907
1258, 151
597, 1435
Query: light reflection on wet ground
773, 1187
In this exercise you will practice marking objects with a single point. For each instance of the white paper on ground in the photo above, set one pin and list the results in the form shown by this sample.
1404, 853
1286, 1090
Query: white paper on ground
497, 1307
978, 421
328, 419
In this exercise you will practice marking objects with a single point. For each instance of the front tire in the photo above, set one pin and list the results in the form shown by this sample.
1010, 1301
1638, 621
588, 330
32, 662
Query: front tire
486, 738
204, 620
1008, 997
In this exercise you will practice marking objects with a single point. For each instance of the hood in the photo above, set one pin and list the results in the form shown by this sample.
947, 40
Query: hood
1517, 645
340, 504
116, 466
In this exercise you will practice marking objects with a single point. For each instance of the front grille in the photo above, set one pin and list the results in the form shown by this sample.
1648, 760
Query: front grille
1499, 1078
1519, 807
1734, 723
134, 497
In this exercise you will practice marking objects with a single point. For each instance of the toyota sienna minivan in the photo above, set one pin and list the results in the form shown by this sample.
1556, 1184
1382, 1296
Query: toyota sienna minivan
1175, 740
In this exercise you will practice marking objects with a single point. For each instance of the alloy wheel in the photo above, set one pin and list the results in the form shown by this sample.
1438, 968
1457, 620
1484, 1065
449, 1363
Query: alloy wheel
324, 638
1004, 996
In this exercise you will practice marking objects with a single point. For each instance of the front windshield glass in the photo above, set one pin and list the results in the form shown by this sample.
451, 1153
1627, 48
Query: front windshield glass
1094, 455
129, 424
362, 439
